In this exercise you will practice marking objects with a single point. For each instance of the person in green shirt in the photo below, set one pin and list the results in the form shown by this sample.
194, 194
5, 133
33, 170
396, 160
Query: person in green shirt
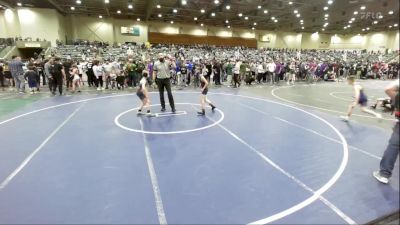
229, 72
242, 70
131, 67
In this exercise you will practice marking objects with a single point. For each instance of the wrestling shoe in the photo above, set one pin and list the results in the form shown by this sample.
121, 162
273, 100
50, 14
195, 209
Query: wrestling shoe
380, 178
150, 114
201, 113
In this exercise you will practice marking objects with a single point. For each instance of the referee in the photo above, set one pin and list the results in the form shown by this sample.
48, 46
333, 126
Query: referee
162, 78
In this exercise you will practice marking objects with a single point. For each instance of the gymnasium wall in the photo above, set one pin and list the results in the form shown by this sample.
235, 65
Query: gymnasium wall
49, 24
34, 23
192, 39
9, 24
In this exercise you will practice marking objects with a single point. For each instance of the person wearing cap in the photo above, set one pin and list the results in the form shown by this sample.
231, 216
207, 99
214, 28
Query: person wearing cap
162, 77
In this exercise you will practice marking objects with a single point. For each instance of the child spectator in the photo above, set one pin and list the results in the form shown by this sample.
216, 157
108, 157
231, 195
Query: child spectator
31, 77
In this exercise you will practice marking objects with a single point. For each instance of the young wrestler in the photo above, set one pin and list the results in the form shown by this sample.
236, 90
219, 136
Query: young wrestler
76, 80
144, 96
359, 98
203, 97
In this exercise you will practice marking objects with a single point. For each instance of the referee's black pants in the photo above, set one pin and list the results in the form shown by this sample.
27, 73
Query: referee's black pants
57, 82
165, 83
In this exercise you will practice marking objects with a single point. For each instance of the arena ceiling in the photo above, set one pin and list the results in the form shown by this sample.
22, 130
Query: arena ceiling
329, 16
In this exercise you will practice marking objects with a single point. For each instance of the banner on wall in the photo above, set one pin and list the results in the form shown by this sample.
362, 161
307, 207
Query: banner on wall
266, 38
134, 31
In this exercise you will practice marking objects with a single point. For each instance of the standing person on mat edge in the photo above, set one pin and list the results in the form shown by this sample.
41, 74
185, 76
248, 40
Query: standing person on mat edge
203, 97
392, 150
359, 98
162, 78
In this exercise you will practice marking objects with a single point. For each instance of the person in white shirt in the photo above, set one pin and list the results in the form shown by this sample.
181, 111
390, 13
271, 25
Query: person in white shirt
236, 72
291, 74
98, 73
108, 67
271, 71
75, 79
80, 72
260, 72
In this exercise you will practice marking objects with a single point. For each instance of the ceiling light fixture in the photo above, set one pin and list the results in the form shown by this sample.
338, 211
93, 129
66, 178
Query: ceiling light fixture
302, 28
78, 2
255, 24
202, 25
246, 18
363, 29
172, 22
290, 3
158, 6
390, 12
355, 12
298, 15
229, 27
159, 15
259, 7
330, 2
375, 22
226, 21
119, 11
326, 15
228, 7
106, 1
212, 14
240, 14
100, 16
184, 2
195, 18
265, 11
362, 7
390, 26
202, 11
295, 11
275, 21
367, 28
216, 2
138, 19
19, 4
272, 18
130, 6
72, 8
174, 10
395, 25
253, 28
326, 8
